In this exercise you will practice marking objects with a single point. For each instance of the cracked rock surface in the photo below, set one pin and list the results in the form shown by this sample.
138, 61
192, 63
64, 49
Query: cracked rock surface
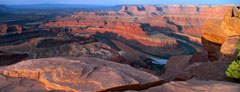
84, 74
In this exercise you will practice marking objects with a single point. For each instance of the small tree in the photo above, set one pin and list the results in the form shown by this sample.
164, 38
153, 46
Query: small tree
233, 70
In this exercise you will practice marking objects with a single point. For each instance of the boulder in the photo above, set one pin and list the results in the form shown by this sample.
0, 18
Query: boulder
196, 86
175, 68
199, 57
229, 48
208, 70
213, 32
182, 68
84, 74
213, 49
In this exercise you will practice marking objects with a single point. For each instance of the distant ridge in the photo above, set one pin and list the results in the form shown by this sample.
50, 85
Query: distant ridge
98, 7
62, 6
4, 10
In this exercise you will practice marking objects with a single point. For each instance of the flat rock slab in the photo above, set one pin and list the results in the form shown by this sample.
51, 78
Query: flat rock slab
85, 74
196, 86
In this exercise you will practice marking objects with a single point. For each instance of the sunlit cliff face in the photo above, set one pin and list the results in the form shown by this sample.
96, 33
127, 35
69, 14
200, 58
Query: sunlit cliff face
171, 29
219, 35
187, 19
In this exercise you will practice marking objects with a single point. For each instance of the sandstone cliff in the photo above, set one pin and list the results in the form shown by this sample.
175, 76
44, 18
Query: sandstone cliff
216, 33
4, 28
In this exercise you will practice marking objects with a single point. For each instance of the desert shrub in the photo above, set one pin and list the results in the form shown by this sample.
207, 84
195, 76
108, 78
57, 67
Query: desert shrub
233, 70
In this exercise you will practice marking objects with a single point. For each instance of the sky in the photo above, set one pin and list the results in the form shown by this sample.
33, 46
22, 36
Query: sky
117, 2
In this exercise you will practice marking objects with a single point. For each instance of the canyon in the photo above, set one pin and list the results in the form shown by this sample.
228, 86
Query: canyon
132, 48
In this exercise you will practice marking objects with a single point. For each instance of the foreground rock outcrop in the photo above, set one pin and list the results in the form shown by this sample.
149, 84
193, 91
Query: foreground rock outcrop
182, 68
83, 74
221, 37
229, 48
175, 67
11, 84
196, 86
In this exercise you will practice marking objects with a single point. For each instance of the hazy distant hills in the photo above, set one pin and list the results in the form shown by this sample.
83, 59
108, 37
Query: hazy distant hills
65, 6
4, 11
3, 8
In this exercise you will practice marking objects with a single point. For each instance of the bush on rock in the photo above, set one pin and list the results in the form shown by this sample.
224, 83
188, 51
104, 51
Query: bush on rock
233, 70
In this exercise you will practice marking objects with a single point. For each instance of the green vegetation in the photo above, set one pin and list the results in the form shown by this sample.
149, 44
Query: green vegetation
233, 70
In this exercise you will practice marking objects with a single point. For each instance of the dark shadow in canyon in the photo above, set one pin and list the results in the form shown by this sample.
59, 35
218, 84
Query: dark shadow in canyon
180, 29
139, 8
19, 38
8, 58
143, 48
153, 30
106, 40
53, 42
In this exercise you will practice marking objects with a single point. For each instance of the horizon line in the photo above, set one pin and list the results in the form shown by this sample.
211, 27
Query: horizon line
116, 4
